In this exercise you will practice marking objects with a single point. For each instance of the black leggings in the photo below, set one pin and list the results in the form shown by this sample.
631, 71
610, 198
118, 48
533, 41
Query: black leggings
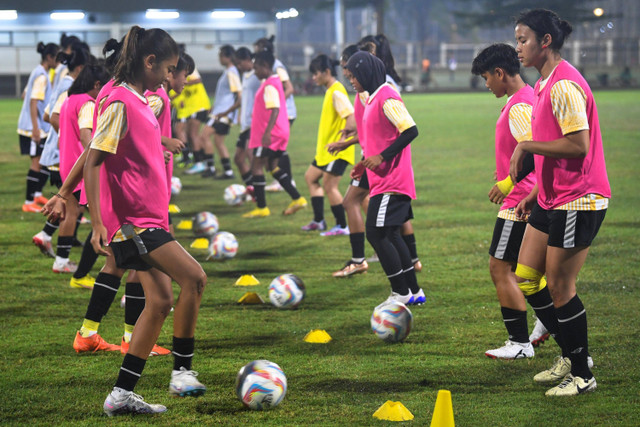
394, 256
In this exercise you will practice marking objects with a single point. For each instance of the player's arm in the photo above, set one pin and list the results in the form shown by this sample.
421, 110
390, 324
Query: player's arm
286, 82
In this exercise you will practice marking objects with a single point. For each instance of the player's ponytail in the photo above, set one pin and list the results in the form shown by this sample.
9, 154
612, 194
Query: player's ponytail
543, 22
111, 51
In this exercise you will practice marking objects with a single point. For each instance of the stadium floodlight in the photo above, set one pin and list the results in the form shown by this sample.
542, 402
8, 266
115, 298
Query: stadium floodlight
227, 14
291, 13
8, 15
598, 11
67, 15
162, 14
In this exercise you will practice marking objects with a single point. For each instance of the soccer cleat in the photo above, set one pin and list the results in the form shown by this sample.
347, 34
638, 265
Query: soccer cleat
373, 258
40, 200
85, 282
225, 175
274, 187
539, 334
198, 167
560, 369
257, 213
120, 402
295, 206
155, 351
184, 383
573, 386
419, 298
396, 297
92, 344
31, 207
64, 267
313, 226
209, 173
336, 231
417, 266
43, 242
511, 350
351, 268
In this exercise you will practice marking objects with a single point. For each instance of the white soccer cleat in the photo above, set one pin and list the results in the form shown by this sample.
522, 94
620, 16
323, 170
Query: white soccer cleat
120, 402
539, 334
573, 386
184, 383
396, 297
419, 298
511, 350
274, 187
561, 368
43, 242
64, 267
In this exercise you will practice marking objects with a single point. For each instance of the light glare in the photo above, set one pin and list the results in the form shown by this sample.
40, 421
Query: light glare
66, 16
227, 14
291, 13
162, 14
598, 11
8, 15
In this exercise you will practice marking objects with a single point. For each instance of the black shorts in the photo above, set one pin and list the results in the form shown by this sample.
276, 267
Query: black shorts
507, 238
201, 116
77, 194
243, 139
219, 127
128, 254
28, 147
363, 182
567, 229
55, 178
386, 210
337, 167
268, 153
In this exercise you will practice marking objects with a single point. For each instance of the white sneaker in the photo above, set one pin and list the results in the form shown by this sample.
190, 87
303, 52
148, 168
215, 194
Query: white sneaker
197, 167
539, 334
66, 266
573, 386
43, 241
511, 350
184, 383
275, 186
561, 368
396, 297
419, 298
120, 402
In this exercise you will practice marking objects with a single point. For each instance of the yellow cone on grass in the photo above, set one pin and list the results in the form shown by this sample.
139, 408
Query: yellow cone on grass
247, 280
393, 411
251, 298
443, 411
185, 224
317, 336
174, 208
200, 243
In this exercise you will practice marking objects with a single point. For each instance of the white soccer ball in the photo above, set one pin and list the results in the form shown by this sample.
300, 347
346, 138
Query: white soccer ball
176, 185
223, 245
286, 291
261, 385
234, 194
205, 224
391, 322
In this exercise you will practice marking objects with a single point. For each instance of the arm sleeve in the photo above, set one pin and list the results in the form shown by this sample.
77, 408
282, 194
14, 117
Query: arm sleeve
156, 104
282, 73
85, 116
528, 165
39, 88
520, 122
111, 127
342, 105
271, 97
569, 104
58, 105
400, 143
398, 115
235, 85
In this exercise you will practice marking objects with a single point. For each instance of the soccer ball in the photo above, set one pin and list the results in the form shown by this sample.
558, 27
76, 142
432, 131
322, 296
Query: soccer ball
261, 385
391, 322
176, 186
223, 245
205, 224
286, 291
234, 194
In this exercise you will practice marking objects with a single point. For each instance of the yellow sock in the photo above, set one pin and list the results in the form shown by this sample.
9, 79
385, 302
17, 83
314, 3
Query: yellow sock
89, 328
128, 330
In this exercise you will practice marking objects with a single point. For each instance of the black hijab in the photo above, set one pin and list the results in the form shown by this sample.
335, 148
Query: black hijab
368, 70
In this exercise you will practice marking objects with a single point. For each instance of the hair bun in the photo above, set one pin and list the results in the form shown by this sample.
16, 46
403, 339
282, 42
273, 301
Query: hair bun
272, 38
566, 27
40, 47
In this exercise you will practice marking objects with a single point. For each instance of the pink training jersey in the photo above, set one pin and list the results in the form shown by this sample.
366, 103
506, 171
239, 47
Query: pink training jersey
506, 143
394, 175
261, 116
135, 175
564, 180
69, 137
358, 112
165, 128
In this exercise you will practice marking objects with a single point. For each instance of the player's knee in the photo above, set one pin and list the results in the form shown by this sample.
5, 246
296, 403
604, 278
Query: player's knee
530, 281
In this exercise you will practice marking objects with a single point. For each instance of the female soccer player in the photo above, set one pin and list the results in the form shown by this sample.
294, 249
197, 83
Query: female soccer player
32, 129
337, 112
126, 158
269, 137
387, 129
573, 194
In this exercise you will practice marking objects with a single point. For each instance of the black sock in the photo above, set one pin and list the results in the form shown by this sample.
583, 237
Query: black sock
572, 319
209, 160
284, 163
408, 270
64, 246
410, 240
226, 165
33, 181
542, 304
317, 203
357, 246
87, 259
284, 178
516, 323
135, 302
43, 177
78, 222
339, 215
182, 352
51, 227
258, 187
199, 156
130, 371
247, 178
389, 258
103, 293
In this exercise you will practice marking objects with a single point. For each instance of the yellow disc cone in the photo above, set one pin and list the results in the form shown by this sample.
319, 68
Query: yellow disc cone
393, 411
247, 280
443, 412
251, 298
317, 336
200, 243
185, 224
174, 208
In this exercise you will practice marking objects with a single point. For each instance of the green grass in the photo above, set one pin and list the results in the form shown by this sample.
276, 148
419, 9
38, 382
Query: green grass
341, 383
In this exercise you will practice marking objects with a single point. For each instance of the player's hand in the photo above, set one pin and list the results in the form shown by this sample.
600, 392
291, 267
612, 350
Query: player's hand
266, 139
336, 147
495, 195
55, 209
167, 157
372, 162
515, 165
523, 209
35, 136
495, 175
174, 145
98, 238
357, 171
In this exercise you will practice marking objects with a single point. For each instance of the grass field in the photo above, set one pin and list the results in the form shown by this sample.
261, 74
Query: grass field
44, 382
